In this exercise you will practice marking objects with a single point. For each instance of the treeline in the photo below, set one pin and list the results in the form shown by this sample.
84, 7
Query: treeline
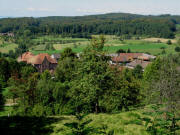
115, 24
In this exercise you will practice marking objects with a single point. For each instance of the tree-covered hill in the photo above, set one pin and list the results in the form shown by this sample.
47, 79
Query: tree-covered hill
112, 23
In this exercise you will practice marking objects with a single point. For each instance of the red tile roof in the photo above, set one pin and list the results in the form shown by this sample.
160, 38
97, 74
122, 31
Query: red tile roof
25, 56
142, 63
38, 59
28, 57
132, 55
125, 57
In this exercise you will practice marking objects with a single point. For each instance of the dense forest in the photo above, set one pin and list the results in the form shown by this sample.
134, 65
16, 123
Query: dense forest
83, 26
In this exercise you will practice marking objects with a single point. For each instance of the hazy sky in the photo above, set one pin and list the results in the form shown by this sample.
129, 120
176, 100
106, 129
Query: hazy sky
17, 8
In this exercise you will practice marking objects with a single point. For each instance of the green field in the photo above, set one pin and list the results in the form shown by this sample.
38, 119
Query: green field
112, 45
146, 47
78, 44
59, 43
57, 39
5, 48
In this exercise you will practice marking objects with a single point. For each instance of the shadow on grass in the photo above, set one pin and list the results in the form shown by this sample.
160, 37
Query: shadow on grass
27, 125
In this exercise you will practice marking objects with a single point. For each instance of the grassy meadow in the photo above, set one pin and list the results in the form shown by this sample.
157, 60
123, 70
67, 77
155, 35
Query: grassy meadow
5, 46
153, 46
148, 45
124, 123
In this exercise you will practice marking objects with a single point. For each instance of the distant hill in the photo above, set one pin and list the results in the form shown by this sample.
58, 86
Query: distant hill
113, 16
81, 26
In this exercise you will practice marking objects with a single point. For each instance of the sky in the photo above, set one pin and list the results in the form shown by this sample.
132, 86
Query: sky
39, 8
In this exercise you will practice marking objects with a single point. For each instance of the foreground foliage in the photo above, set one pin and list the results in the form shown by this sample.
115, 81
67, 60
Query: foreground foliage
138, 122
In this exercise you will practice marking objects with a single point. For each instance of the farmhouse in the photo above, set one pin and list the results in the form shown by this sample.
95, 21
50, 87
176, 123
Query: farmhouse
124, 58
131, 60
41, 61
25, 57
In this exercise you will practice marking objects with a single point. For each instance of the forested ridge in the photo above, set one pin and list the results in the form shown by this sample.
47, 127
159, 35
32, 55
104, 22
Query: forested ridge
113, 24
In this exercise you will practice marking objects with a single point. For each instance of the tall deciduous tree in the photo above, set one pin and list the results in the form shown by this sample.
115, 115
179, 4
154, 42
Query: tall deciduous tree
67, 53
66, 65
165, 89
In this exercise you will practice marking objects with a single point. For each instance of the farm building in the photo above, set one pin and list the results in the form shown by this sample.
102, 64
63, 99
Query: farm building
56, 56
134, 63
25, 57
41, 61
131, 60
123, 58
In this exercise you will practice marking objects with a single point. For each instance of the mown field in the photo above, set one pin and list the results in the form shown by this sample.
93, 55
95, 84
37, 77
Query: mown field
153, 46
113, 44
5, 46
124, 123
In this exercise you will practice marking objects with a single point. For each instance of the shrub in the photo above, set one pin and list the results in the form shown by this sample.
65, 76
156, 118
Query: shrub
169, 42
120, 51
38, 110
158, 41
177, 49
128, 51
162, 48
